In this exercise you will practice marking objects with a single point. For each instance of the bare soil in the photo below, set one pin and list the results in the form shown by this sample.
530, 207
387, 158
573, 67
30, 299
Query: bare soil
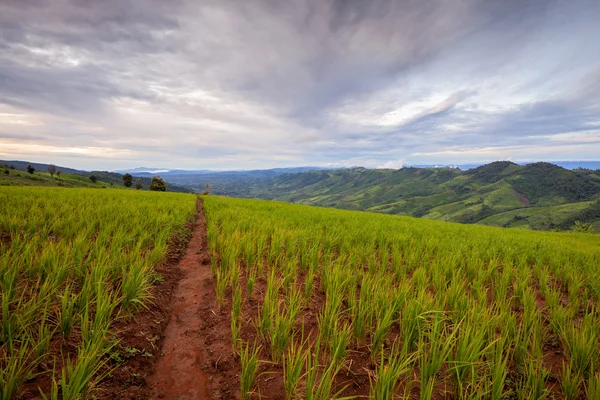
179, 373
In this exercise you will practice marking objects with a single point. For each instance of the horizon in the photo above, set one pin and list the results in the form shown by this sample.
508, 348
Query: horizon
244, 86
469, 165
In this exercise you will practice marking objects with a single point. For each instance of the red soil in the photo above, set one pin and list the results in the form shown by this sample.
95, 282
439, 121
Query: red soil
179, 372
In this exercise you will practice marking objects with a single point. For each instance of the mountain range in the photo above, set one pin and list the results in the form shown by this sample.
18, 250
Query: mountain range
536, 196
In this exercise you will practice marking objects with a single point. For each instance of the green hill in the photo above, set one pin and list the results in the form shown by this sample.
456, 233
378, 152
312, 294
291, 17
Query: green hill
13, 173
503, 189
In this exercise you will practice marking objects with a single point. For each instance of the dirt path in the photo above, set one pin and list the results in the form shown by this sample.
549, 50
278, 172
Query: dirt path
179, 373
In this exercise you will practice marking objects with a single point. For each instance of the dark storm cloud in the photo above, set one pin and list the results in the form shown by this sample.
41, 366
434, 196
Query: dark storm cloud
305, 80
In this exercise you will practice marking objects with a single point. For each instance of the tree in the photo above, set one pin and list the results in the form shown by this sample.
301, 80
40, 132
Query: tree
93, 178
158, 184
30, 169
127, 180
207, 191
58, 173
138, 183
52, 170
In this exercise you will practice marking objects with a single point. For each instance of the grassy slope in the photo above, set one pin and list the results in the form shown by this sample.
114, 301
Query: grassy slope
446, 194
104, 179
535, 216
20, 178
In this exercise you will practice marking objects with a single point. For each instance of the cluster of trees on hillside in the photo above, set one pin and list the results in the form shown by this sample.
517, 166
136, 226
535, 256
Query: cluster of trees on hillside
157, 183
540, 180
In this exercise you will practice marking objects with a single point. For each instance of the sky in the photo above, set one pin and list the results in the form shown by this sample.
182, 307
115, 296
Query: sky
232, 84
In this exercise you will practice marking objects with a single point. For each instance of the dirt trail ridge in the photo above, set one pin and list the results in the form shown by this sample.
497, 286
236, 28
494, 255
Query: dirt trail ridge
179, 372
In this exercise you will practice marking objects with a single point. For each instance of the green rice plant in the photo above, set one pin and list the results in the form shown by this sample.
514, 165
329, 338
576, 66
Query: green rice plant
426, 392
582, 345
293, 365
235, 332
533, 384
319, 386
436, 352
66, 316
269, 306
362, 309
54, 390
45, 332
135, 286
250, 284
593, 387
14, 370
10, 323
308, 283
342, 334
76, 381
221, 286
389, 370
250, 365
468, 354
498, 371
384, 323
410, 324
570, 382
280, 333
8, 283
236, 303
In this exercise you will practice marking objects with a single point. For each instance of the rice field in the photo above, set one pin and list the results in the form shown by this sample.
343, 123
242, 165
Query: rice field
338, 304
72, 263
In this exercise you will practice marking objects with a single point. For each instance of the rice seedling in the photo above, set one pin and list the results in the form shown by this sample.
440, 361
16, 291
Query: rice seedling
498, 371
388, 372
320, 386
570, 382
593, 387
76, 261
250, 364
472, 307
293, 365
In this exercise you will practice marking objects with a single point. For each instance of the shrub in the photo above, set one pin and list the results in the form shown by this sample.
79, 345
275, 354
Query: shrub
30, 169
158, 184
138, 183
584, 227
93, 178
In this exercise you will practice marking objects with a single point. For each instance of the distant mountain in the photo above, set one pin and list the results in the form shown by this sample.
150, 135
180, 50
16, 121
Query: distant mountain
70, 181
539, 195
143, 171
230, 182
565, 164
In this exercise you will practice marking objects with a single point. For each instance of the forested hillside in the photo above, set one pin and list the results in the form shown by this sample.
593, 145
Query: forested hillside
537, 196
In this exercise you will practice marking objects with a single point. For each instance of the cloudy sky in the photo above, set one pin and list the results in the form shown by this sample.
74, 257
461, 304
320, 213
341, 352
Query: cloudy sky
229, 84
